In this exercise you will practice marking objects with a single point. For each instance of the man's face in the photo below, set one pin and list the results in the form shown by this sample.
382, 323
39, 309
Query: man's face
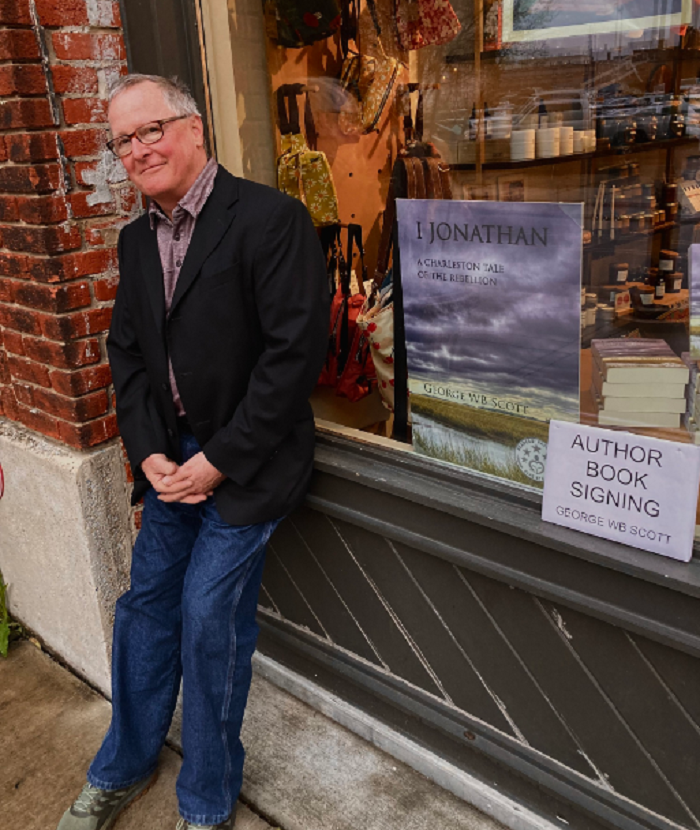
166, 170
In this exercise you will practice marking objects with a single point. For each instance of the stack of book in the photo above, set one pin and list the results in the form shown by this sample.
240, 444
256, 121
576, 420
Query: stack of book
638, 383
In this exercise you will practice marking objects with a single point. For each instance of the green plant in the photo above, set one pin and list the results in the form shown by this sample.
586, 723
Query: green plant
9, 630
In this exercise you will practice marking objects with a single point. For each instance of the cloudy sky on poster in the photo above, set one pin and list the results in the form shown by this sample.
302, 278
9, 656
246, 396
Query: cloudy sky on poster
518, 338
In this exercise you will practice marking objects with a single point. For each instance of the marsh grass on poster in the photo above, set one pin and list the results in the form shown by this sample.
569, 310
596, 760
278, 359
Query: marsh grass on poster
491, 304
694, 283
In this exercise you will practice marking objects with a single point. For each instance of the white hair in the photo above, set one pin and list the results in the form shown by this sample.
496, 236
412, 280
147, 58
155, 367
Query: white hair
177, 95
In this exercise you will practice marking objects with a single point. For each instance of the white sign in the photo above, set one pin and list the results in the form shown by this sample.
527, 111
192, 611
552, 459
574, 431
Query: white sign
632, 489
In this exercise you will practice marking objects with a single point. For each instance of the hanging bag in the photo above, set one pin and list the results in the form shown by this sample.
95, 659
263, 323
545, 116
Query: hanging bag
338, 278
425, 23
411, 178
302, 172
372, 81
358, 374
297, 23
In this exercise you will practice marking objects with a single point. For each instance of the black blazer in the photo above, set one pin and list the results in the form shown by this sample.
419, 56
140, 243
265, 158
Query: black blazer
246, 333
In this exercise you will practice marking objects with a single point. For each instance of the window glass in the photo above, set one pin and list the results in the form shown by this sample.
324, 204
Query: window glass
591, 104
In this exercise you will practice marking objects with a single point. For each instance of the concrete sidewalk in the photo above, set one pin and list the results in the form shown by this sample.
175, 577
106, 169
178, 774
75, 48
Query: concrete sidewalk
51, 725
303, 770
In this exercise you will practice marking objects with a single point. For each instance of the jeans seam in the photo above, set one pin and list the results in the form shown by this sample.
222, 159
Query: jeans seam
229, 683
163, 730
111, 787
232, 662
203, 818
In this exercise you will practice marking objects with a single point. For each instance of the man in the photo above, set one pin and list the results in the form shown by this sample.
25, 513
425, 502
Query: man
217, 339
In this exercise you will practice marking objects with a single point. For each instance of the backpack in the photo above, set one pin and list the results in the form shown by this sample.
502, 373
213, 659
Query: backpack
297, 23
303, 173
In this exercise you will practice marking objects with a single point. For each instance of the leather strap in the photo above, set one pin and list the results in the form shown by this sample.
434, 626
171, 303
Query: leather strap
288, 113
355, 238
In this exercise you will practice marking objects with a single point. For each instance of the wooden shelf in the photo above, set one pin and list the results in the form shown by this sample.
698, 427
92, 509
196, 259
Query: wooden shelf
604, 246
613, 152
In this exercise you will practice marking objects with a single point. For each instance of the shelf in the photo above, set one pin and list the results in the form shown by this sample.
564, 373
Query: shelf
512, 55
604, 246
613, 152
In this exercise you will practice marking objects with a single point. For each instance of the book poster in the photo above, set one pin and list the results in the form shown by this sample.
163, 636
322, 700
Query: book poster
531, 20
492, 309
694, 285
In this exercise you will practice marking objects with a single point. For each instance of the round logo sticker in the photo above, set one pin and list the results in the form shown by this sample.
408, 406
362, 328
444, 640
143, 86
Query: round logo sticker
531, 454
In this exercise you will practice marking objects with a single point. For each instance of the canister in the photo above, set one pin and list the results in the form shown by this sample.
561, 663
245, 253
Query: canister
673, 281
619, 273
667, 260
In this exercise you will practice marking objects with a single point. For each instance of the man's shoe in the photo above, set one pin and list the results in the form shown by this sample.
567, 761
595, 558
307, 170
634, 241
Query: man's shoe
225, 825
96, 809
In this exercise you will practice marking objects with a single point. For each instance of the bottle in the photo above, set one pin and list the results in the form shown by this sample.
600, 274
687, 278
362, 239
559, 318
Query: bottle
473, 124
542, 114
487, 122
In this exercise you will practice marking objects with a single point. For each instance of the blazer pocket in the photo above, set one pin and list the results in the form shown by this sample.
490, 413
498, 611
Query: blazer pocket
225, 277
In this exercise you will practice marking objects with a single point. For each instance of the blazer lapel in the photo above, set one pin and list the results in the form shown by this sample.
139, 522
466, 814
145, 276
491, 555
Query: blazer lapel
152, 273
212, 223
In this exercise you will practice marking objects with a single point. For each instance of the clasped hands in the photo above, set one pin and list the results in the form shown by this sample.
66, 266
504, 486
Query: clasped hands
190, 483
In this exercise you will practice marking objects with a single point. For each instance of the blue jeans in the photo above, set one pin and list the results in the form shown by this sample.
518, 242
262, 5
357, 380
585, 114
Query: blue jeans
190, 615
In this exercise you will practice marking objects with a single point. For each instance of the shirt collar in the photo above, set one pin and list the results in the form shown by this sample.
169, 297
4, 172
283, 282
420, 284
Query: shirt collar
194, 200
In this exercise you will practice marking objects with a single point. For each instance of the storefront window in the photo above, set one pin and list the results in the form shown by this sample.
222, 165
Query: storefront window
592, 105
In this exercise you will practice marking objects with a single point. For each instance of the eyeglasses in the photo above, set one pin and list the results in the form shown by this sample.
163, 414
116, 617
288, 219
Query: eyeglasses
148, 134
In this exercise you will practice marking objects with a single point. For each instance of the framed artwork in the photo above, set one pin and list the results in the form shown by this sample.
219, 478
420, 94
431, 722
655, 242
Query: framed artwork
511, 188
532, 20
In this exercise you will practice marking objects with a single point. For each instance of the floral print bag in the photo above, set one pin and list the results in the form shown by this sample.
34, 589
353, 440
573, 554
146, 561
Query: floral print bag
302, 172
426, 23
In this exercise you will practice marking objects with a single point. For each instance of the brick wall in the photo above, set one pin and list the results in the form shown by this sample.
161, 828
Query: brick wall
62, 202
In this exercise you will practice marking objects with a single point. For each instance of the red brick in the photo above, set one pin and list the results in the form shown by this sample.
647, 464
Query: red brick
83, 142
19, 319
59, 268
12, 341
81, 381
7, 290
41, 178
3, 150
24, 393
103, 233
14, 265
18, 44
41, 240
105, 290
71, 409
42, 210
129, 200
82, 208
71, 326
9, 211
62, 12
23, 369
138, 517
90, 434
78, 79
22, 79
15, 13
85, 111
28, 113
5, 376
8, 402
63, 355
39, 421
78, 46
34, 147
53, 298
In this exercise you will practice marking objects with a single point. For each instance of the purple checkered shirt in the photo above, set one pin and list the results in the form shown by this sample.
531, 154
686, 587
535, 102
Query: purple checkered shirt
174, 237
